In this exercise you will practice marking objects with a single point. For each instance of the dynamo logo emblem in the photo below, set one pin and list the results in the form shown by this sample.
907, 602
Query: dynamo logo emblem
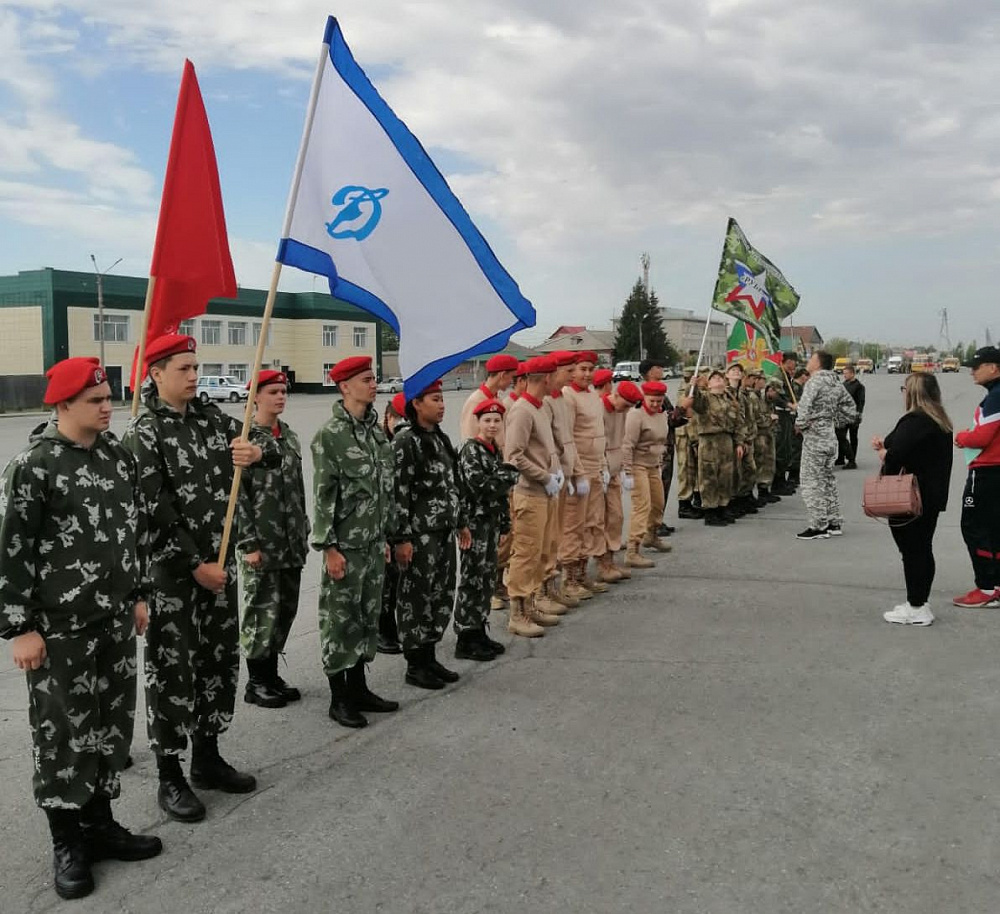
360, 212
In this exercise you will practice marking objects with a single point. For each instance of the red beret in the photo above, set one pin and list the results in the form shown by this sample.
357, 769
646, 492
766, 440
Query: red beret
602, 376
564, 357
170, 344
586, 356
71, 376
432, 388
501, 363
348, 368
522, 370
540, 364
489, 406
629, 391
398, 404
654, 388
269, 376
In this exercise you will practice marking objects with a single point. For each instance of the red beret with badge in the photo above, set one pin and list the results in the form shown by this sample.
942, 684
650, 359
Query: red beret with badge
501, 363
586, 356
167, 345
563, 358
628, 390
654, 388
489, 406
602, 376
433, 388
270, 376
346, 369
71, 377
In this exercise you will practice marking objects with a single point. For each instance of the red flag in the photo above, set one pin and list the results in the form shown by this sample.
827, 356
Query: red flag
191, 259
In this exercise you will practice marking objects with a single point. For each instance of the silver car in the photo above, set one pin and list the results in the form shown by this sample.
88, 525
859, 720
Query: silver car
221, 387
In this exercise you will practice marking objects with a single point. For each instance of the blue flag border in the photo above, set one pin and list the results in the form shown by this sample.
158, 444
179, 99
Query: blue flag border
304, 257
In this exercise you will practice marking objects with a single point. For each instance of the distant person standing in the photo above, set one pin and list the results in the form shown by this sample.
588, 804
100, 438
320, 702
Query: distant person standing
919, 444
847, 436
981, 498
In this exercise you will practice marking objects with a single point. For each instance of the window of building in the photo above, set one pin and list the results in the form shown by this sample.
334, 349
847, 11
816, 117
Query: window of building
211, 333
115, 328
329, 334
360, 337
239, 371
210, 368
186, 328
327, 366
237, 333
257, 325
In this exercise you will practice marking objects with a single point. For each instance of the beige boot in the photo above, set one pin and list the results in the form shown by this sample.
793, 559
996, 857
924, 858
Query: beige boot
606, 570
635, 559
536, 615
497, 604
571, 583
623, 570
548, 605
519, 623
591, 583
554, 589
652, 541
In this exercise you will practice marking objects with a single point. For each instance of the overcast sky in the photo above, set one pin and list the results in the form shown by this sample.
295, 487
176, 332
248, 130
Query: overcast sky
855, 142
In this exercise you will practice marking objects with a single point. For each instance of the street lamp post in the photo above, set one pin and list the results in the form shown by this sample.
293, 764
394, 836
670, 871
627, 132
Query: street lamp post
100, 300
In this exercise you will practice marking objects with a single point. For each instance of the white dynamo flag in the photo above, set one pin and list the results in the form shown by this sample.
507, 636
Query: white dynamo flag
369, 209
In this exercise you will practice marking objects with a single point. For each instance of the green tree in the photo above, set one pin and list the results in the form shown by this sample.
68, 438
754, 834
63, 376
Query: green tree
388, 338
958, 350
642, 311
970, 351
838, 347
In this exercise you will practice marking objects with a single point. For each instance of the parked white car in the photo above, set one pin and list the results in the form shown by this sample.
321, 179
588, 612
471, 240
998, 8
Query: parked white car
390, 386
221, 387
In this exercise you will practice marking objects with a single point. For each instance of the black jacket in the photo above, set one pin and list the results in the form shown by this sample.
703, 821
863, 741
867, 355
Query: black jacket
857, 391
919, 445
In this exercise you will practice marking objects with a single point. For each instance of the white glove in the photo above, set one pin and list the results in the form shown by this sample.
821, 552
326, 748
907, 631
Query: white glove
552, 486
561, 476
605, 479
583, 487
570, 488
628, 483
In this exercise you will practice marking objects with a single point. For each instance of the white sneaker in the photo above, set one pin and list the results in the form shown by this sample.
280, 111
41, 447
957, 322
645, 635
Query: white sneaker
904, 614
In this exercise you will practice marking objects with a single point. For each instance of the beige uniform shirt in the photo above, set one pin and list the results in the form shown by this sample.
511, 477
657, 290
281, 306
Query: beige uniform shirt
530, 446
645, 438
614, 431
562, 432
587, 413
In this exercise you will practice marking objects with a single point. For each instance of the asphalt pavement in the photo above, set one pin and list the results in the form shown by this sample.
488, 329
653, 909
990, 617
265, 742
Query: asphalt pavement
736, 731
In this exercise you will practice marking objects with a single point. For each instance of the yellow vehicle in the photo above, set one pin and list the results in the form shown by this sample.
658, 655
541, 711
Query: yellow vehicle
841, 364
950, 364
922, 362
864, 366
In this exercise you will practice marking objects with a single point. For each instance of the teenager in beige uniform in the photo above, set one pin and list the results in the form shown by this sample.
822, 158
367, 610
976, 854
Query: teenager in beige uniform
642, 456
583, 526
617, 403
565, 592
531, 448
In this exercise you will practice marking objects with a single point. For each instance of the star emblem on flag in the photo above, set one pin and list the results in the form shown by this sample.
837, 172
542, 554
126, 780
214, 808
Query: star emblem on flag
751, 289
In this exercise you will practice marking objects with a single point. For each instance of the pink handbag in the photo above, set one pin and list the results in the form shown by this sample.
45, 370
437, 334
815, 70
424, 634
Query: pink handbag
892, 496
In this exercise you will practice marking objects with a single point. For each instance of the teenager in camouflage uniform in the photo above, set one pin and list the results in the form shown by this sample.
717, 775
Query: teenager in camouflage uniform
785, 436
765, 445
192, 661
429, 517
71, 602
393, 418
718, 421
273, 543
687, 458
485, 483
745, 469
352, 518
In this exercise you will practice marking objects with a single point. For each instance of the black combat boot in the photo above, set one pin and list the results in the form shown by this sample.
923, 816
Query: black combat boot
442, 672
289, 693
70, 864
696, 501
687, 511
260, 688
729, 513
105, 839
748, 505
210, 771
364, 698
175, 796
494, 646
343, 708
470, 646
418, 673
715, 518
388, 633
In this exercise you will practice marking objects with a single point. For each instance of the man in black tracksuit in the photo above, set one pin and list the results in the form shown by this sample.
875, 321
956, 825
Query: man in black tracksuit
847, 437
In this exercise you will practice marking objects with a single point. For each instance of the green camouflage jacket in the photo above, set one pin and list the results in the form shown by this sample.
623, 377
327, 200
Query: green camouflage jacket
746, 425
427, 494
352, 482
272, 514
71, 531
486, 482
716, 412
186, 472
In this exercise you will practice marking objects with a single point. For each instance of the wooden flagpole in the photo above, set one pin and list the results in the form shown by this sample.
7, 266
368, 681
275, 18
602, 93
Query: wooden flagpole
141, 357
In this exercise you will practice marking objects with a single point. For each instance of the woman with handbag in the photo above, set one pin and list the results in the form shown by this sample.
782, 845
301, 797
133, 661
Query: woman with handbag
919, 444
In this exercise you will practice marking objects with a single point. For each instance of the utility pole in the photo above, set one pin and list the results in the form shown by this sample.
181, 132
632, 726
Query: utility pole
944, 338
644, 261
100, 299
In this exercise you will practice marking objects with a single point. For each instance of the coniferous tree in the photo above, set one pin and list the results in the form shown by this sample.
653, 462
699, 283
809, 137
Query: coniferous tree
642, 311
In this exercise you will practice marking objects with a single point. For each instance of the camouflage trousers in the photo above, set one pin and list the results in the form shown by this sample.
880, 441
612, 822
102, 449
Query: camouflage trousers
764, 455
716, 468
349, 609
687, 467
270, 601
192, 660
667, 474
745, 471
478, 575
427, 590
783, 444
819, 486
81, 709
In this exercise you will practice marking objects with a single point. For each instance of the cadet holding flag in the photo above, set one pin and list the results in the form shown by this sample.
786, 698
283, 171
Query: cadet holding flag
273, 541
352, 517
192, 645
71, 602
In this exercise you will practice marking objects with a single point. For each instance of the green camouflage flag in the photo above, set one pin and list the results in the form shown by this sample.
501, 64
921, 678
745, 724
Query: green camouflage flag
752, 289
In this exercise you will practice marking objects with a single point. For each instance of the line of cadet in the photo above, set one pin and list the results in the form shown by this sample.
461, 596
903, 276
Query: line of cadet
102, 540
